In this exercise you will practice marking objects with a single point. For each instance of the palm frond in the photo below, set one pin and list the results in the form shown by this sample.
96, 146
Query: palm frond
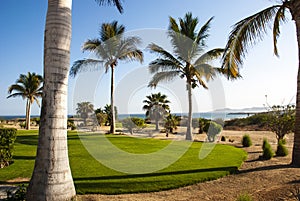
173, 24
163, 53
17, 87
164, 65
84, 65
16, 95
128, 49
116, 3
245, 33
210, 55
163, 76
206, 71
91, 45
280, 17
203, 33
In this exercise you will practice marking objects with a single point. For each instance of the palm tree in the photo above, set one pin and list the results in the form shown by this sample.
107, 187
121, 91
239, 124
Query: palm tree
248, 31
156, 107
28, 87
171, 122
110, 47
189, 60
84, 110
51, 178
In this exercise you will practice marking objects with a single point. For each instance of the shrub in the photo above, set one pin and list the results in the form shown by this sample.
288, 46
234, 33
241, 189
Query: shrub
212, 129
267, 150
132, 123
19, 195
265, 141
223, 138
7, 139
244, 197
246, 141
281, 149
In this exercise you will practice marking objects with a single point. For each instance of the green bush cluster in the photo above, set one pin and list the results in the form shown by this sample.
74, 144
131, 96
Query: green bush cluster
267, 150
260, 119
7, 139
246, 141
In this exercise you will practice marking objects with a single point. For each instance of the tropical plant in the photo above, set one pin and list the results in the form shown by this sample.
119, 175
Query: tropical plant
28, 87
110, 47
85, 110
188, 61
171, 123
156, 106
247, 32
52, 152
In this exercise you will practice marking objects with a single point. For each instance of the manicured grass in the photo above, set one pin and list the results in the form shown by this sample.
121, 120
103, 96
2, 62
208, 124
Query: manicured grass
90, 176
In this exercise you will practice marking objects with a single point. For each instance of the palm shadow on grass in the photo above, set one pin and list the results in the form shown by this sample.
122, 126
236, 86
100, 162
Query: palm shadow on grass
135, 183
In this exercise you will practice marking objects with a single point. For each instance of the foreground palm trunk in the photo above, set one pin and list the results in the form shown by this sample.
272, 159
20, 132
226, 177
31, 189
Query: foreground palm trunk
295, 10
52, 179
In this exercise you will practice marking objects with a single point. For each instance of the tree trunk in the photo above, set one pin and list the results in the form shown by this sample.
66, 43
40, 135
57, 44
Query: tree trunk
189, 135
112, 102
295, 11
156, 124
51, 179
27, 121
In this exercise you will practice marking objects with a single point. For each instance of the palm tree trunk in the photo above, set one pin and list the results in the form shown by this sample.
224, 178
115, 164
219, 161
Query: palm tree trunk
112, 102
51, 179
295, 10
156, 124
189, 135
27, 123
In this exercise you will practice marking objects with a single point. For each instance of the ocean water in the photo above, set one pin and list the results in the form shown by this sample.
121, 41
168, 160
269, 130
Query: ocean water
206, 115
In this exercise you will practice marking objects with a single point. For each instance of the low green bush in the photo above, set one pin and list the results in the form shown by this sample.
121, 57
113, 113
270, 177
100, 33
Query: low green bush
244, 197
267, 150
7, 139
281, 149
246, 141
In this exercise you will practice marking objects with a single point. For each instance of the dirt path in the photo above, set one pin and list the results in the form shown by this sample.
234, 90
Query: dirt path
263, 180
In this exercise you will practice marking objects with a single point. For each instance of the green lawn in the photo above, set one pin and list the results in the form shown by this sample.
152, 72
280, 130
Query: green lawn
90, 176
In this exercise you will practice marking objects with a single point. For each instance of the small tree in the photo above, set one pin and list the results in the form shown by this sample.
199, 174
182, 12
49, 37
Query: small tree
171, 122
212, 129
281, 120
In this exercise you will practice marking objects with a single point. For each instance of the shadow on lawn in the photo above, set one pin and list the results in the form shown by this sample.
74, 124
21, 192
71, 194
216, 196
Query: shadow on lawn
231, 170
27, 139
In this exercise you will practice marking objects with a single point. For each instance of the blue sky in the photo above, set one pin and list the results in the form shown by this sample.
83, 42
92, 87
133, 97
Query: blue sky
22, 28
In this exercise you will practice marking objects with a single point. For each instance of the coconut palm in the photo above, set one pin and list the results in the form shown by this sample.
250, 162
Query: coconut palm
84, 110
248, 31
188, 61
51, 178
156, 106
110, 47
28, 87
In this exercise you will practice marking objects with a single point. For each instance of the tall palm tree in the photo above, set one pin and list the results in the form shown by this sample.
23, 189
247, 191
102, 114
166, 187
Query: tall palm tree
28, 87
248, 31
189, 60
110, 47
156, 106
51, 178
84, 110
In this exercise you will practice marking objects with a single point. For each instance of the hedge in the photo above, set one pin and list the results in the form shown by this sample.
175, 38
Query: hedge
7, 139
